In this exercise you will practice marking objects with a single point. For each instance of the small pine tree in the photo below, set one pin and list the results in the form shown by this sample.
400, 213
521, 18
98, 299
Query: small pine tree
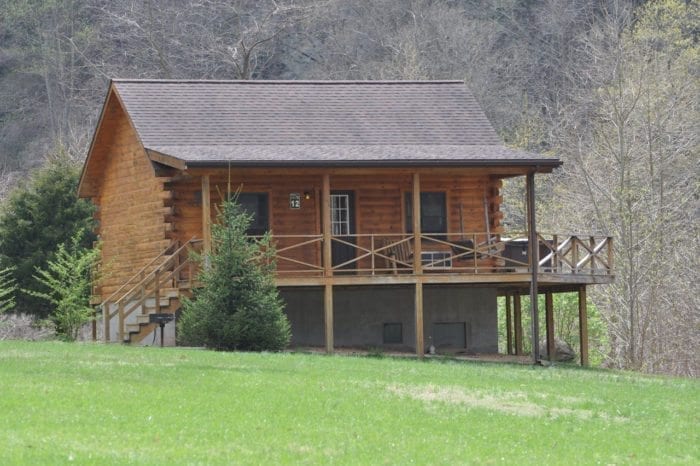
238, 306
67, 283
8, 287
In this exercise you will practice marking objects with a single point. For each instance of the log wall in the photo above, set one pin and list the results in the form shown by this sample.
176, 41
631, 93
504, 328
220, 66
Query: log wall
130, 198
379, 203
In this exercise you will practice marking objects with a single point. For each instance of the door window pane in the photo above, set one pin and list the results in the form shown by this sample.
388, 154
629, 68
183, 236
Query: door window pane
340, 214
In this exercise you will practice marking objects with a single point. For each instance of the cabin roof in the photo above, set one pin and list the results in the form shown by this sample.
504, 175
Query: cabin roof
315, 123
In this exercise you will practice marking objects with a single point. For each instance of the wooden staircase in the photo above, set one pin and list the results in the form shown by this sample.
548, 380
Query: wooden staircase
155, 289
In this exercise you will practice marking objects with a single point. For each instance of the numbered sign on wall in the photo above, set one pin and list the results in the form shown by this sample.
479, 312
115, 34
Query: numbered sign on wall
295, 201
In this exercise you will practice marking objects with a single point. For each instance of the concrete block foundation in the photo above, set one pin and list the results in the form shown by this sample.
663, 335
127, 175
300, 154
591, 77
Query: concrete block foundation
455, 317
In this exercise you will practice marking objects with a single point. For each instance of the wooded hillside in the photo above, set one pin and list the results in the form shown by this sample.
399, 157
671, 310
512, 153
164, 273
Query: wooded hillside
610, 86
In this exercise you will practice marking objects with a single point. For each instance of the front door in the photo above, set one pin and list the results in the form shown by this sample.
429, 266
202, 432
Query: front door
342, 226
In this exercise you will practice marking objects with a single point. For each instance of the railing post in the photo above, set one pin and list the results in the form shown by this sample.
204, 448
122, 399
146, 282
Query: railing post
105, 316
574, 253
555, 254
326, 222
142, 288
611, 256
474, 252
591, 243
156, 290
371, 247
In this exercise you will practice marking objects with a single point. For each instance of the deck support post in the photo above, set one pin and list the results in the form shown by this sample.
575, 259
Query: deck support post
583, 325
327, 261
106, 311
206, 215
417, 266
549, 311
328, 316
533, 254
418, 306
509, 326
120, 319
518, 318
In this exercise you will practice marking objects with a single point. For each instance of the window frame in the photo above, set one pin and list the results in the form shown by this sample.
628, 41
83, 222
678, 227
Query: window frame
408, 212
257, 227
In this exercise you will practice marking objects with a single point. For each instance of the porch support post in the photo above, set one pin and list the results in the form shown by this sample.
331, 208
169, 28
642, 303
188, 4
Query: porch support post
417, 267
533, 254
327, 261
518, 318
106, 311
549, 310
509, 326
328, 316
583, 325
206, 215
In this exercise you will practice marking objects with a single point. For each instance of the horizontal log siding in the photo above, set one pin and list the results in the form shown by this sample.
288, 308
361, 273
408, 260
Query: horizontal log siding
130, 200
379, 204
187, 220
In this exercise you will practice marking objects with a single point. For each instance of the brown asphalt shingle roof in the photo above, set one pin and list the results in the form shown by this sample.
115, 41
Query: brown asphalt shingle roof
290, 122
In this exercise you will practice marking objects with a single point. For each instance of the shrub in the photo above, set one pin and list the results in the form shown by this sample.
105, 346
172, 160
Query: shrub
238, 306
67, 283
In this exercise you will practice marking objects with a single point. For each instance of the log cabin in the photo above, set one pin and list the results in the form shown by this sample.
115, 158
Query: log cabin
383, 199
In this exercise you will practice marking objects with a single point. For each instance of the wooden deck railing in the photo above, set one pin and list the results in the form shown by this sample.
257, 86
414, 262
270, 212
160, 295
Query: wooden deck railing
374, 254
576, 254
473, 253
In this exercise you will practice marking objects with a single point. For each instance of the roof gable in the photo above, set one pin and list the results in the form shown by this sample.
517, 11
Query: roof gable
303, 123
113, 112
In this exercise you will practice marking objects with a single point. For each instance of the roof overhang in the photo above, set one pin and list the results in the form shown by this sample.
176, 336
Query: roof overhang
538, 166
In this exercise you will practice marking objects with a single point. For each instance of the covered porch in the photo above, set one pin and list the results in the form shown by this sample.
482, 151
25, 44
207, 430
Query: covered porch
340, 255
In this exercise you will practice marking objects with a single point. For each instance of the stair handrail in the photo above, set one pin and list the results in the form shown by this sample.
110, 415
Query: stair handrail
110, 298
142, 286
147, 278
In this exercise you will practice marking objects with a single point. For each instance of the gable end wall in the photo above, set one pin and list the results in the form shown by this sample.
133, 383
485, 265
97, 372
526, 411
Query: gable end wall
131, 201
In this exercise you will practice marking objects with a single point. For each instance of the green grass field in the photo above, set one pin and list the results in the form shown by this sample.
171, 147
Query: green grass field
84, 403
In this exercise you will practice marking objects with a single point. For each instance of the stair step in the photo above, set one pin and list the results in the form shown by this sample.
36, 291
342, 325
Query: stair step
145, 318
133, 328
151, 303
169, 292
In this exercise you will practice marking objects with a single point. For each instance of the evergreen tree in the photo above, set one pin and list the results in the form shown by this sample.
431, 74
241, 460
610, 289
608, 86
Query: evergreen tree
7, 290
37, 217
238, 306
66, 283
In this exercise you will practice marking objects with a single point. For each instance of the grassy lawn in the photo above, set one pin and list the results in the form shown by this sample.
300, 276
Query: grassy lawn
83, 403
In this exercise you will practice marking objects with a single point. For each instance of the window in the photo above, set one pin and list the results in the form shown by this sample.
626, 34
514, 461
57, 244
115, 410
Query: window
393, 333
340, 214
256, 204
433, 213
436, 259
